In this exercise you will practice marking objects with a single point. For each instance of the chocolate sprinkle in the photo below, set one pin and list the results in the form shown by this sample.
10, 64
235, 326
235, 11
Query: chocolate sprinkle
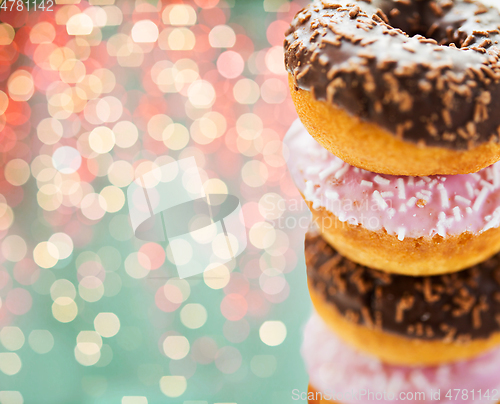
454, 308
385, 71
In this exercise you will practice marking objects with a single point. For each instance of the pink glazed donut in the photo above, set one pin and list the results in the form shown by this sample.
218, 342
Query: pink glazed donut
338, 373
408, 225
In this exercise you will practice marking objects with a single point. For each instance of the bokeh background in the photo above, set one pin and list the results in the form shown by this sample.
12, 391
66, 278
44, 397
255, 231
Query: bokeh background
92, 95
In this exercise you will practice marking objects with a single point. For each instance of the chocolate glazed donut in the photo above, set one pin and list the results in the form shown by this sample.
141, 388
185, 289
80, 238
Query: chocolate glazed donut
404, 319
424, 75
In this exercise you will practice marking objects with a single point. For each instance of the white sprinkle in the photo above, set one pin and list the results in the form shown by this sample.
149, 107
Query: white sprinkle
426, 192
387, 194
309, 188
330, 170
460, 198
470, 189
340, 173
468, 209
381, 180
313, 170
411, 202
343, 216
402, 208
379, 200
331, 195
456, 212
445, 202
496, 177
420, 183
442, 216
494, 222
480, 199
391, 212
368, 184
356, 170
489, 173
316, 203
401, 189
476, 176
487, 184
401, 233
421, 195
433, 183
411, 181
426, 179
443, 179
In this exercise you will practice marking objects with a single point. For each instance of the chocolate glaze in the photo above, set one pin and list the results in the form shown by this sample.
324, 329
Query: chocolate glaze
439, 87
453, 308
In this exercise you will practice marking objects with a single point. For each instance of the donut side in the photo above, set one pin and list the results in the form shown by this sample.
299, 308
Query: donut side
405, 320
340, 373
421, 256
370, 146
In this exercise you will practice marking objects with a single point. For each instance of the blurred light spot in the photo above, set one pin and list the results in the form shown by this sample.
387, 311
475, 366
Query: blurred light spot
209, 127
107, 324
272, 333
272, 281
274, 91
66, 160
193, 315
12, 338
91, 288
102, 139
152, 256
4, 102
134, 400
14, 248
272, 6
176, 347
145, 31
20, 85
46, 254
6, 215
222, 36
10, 363
274, 60
218, 277
173, 386
175, 136
180, 39
79, 24
64, 309
63, 243
114, 16
93, 206
134, 268
254, 173
228, 359
230, 64
17, 172
246, 91
263, 365
234, 307
262, 235
41, 341
7, 33
272, 206
62, 288
126, 134
97, 15
179, 14
11, 397
114, 197
18, 301
121, 173
201, 94
249, 126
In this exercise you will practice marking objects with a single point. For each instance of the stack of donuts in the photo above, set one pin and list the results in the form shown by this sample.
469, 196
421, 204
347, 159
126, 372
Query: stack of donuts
397, 155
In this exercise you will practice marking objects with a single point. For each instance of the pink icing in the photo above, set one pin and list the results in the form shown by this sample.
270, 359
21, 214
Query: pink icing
403, 206
336, 367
